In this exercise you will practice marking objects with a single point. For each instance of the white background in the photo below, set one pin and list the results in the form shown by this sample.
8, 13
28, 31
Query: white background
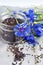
4, 60
21, 3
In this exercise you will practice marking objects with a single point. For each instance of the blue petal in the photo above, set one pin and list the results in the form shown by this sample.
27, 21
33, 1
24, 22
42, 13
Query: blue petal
27, 14
31, 15
31, 11
25, 33
31, 20
31, 40
16, 28
38, 30
37, 25
19, 34
29, 37
27, 29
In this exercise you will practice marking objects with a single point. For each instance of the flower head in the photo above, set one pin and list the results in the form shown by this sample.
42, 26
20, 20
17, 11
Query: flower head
22, 30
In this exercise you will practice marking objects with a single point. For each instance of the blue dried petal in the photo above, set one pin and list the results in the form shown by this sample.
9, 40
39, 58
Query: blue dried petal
27, 14
31, 11
38, 29
31, 40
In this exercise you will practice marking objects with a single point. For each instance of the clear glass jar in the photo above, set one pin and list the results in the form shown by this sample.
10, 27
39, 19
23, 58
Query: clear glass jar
7, 32
21, 17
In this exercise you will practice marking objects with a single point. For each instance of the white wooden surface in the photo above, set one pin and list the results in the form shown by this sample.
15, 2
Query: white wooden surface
21, 3
5, 60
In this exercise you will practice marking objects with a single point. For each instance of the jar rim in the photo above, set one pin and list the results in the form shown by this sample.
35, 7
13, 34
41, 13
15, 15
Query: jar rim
23, 15
19, 13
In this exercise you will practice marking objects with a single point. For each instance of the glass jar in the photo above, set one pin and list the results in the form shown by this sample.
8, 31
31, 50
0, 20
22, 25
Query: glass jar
7, 23
20, 17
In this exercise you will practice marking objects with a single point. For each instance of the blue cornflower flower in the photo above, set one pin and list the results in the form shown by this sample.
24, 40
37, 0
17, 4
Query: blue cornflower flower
31, 15
38, 29
22, 30
31, 40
